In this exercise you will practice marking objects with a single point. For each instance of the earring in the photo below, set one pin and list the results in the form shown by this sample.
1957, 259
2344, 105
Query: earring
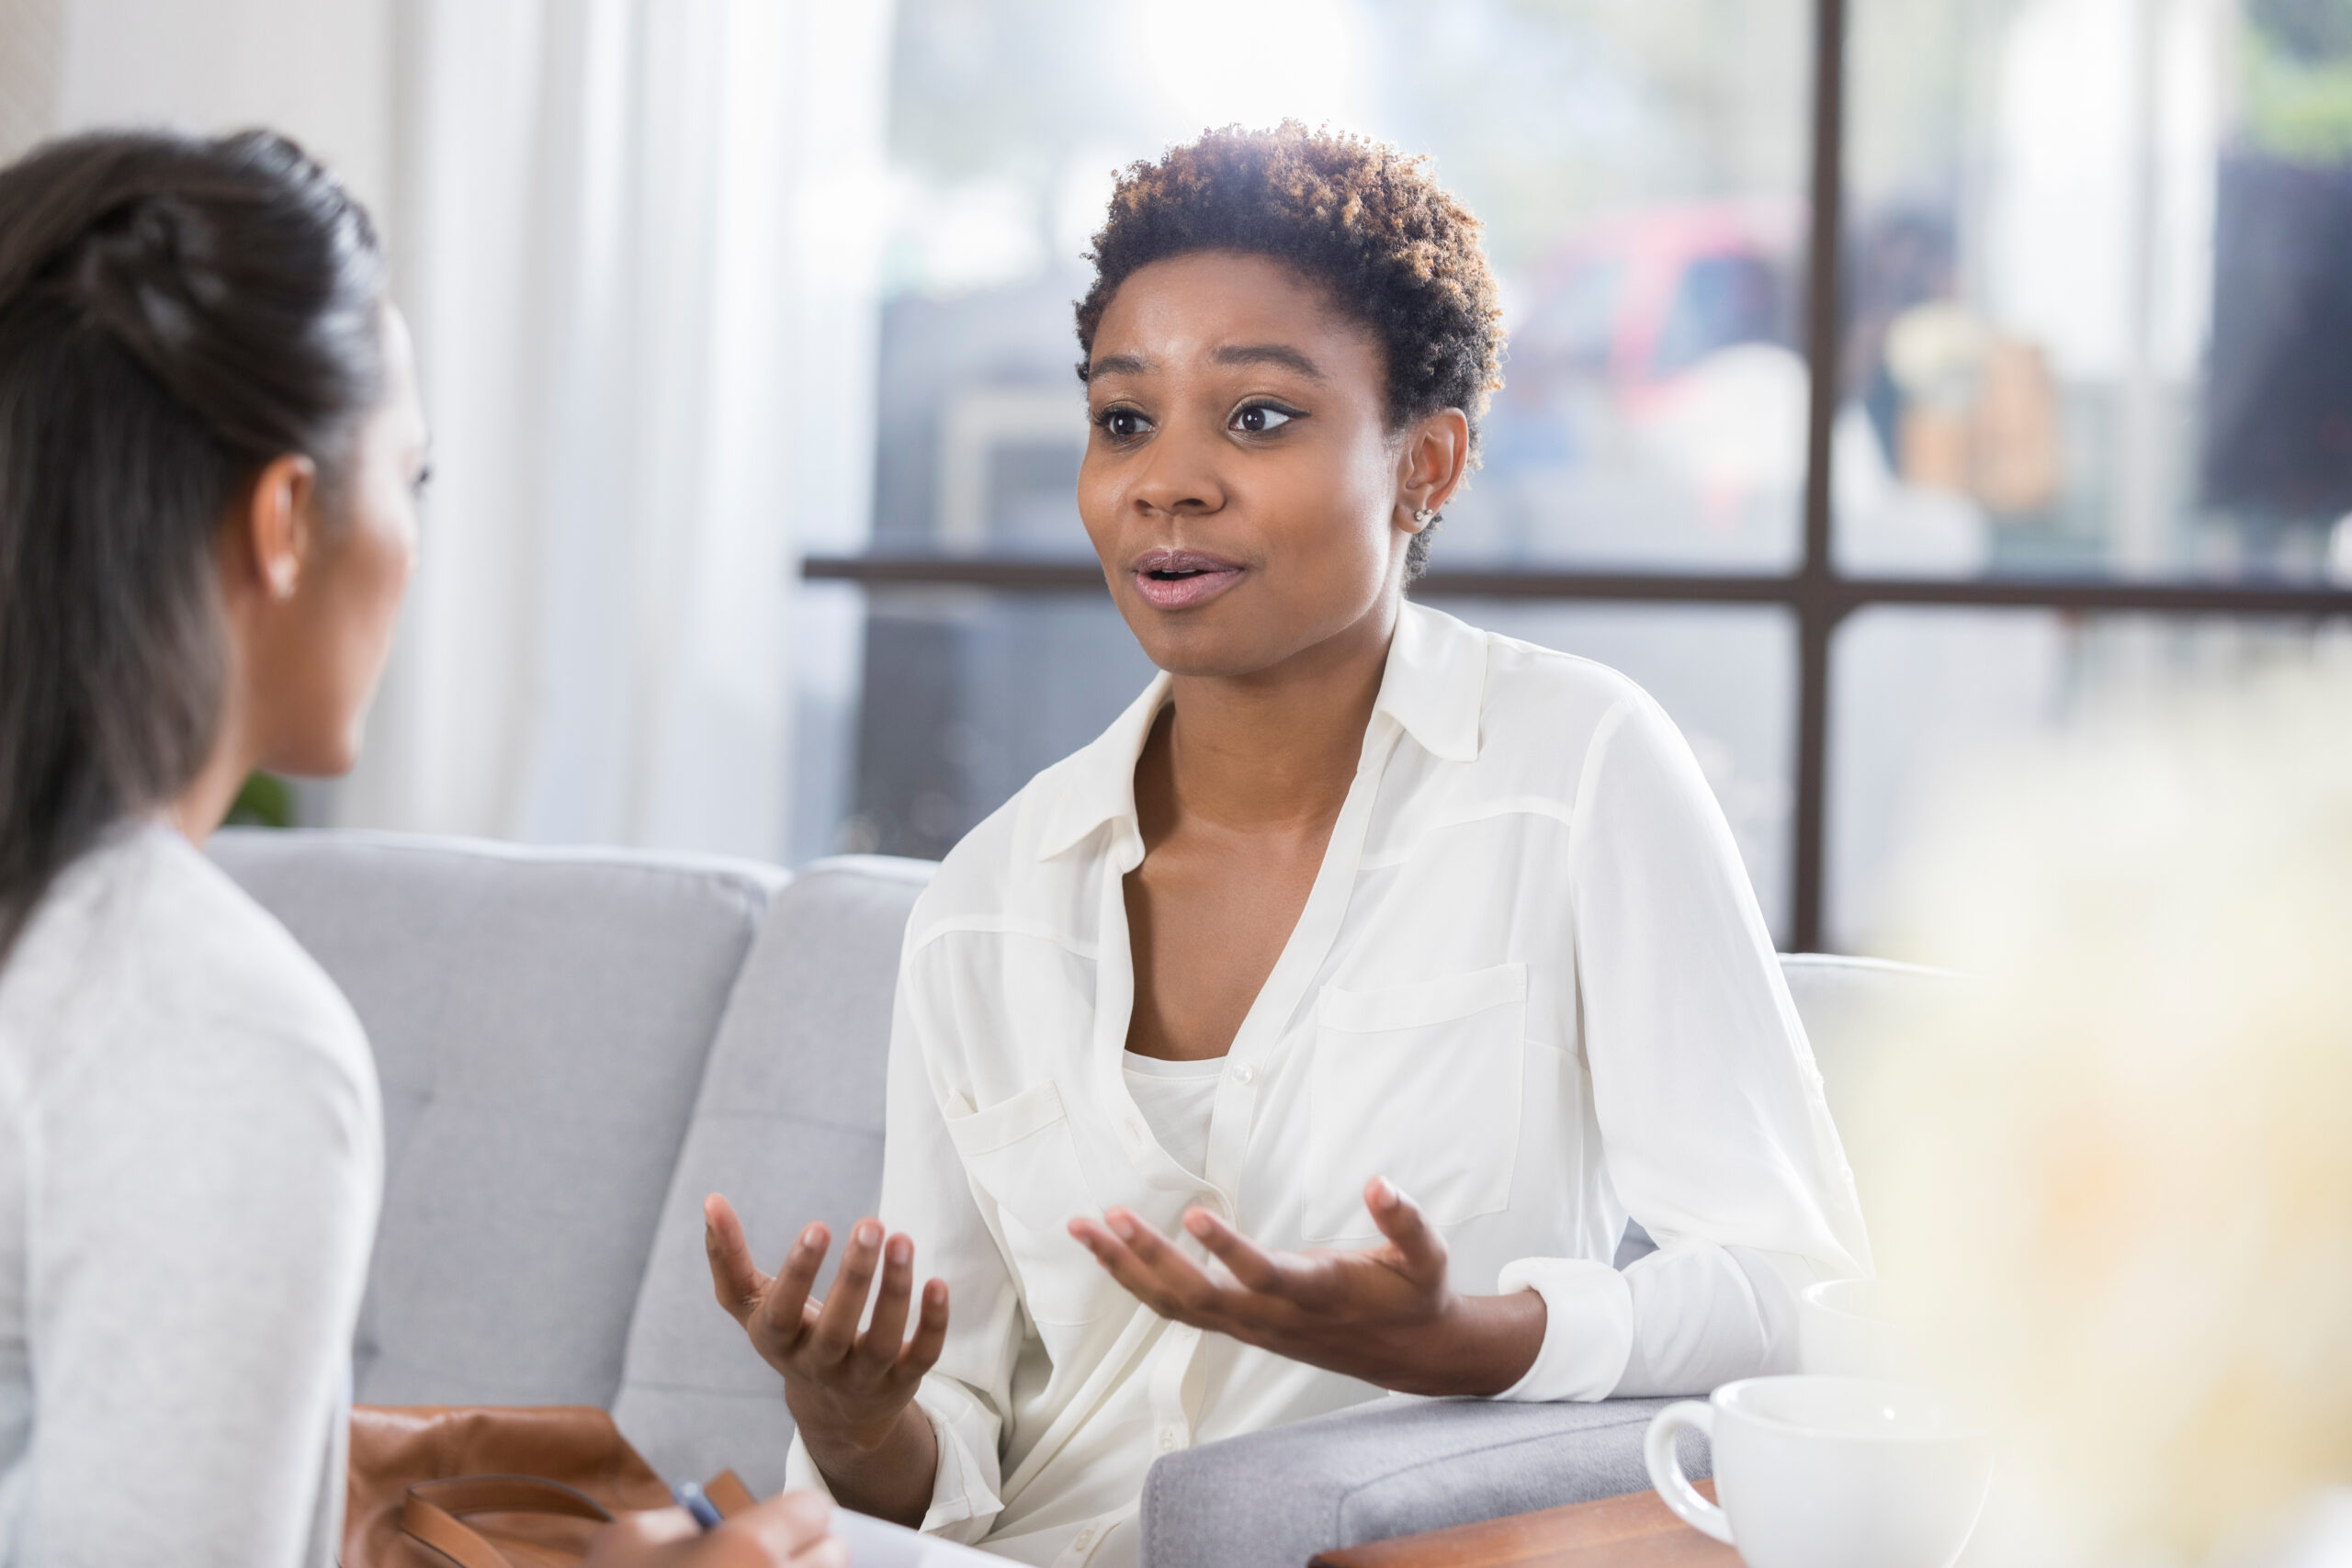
281, 580
1422, 516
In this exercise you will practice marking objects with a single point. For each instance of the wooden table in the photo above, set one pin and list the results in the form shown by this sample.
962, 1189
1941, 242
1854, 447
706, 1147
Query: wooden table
1632, 1531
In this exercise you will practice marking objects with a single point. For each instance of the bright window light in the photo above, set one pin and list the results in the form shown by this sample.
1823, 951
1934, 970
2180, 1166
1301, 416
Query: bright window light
1252, 62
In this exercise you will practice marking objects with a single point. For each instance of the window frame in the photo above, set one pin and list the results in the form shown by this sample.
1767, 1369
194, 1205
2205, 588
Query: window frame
1818, 596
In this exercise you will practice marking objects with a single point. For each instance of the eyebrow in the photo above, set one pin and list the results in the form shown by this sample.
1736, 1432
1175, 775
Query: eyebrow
1270, 353
1119, 365
1232, 353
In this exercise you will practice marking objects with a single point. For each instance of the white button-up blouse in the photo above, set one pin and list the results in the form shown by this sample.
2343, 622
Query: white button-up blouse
1531, 986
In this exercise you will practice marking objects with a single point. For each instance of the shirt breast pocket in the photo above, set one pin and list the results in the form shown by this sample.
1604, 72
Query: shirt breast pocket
1020, 1154
1421, 1084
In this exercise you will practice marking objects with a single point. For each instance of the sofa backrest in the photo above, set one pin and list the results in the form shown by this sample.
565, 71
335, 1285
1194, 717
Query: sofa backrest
788, 1126
541, 1021
1850, 1007
577, 1046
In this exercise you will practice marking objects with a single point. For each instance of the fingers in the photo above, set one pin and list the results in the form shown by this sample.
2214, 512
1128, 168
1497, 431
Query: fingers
1417, 1245
831, 1553
879, 1347
735, 1278
1152, 1270
792, 1519
783, 1317
834, 1335
922, 1352
652, 1539
1249, 1264
795, 1528
1151, 1248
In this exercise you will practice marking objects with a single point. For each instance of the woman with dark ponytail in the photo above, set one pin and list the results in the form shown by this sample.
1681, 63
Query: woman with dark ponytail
210, 450
181, 325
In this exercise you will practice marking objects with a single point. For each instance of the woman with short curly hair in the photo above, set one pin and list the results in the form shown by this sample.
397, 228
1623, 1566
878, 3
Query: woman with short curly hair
1318, 1030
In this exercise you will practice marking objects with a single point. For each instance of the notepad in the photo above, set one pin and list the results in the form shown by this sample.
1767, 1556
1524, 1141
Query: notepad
875, 1544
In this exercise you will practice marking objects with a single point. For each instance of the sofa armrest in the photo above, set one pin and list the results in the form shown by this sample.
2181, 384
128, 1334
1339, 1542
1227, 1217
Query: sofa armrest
1275, 1498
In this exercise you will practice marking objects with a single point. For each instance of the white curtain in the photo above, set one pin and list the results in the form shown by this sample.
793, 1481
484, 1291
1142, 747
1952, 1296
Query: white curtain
636, 241
32, 52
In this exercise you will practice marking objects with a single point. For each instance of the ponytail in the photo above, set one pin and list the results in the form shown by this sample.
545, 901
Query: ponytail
174, 314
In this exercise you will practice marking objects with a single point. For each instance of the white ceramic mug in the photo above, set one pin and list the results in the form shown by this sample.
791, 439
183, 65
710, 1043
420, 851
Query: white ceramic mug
1828, 1473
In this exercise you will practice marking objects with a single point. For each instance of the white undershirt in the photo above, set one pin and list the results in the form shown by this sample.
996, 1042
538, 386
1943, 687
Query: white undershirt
1177, 1099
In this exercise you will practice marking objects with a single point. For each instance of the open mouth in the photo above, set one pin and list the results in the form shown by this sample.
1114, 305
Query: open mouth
1177, 579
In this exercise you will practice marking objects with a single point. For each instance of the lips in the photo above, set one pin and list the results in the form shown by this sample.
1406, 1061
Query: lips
1178, 580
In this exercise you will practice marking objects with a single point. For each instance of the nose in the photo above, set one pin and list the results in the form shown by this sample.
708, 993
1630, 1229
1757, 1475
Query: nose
1177, 477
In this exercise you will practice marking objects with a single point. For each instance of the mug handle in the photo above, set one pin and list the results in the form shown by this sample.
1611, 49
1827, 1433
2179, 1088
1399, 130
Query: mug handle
1666, 1466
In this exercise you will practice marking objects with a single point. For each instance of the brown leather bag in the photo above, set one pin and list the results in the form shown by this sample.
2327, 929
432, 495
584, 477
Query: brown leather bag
486, 1486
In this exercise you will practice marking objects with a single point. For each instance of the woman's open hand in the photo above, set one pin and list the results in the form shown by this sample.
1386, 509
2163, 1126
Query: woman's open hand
1387, 1316
851, 1394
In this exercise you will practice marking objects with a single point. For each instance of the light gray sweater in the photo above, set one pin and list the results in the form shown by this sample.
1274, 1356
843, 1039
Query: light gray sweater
191, 1159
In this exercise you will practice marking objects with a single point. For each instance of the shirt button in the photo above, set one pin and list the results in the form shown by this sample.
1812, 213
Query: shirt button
1084, 1538
1171, 1439
1243, 1073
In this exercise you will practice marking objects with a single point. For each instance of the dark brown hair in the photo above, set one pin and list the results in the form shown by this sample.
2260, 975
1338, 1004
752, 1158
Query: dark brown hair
1389, 245
174, 314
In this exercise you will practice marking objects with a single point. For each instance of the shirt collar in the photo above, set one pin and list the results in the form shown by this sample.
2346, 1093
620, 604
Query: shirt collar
1436, 681
1098, 783
1433, 687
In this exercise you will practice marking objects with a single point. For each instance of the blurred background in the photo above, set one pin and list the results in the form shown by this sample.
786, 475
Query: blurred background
745, 327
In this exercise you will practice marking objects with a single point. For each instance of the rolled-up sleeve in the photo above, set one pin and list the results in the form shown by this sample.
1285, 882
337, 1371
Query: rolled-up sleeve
926, 1194
1714, 1129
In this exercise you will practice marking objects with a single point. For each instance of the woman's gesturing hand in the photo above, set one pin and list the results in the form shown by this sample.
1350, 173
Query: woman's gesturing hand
1387, 1316
851, 1394
846, 1382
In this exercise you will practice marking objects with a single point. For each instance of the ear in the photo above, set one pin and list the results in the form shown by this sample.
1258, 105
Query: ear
275, 527
1435, 456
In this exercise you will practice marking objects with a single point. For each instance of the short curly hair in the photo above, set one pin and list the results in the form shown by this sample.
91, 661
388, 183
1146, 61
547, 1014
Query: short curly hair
1394, 249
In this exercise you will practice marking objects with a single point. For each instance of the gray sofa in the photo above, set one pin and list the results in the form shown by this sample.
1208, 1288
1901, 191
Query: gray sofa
576, 1046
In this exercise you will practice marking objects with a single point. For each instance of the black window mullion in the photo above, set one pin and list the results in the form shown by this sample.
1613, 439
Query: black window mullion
1818, 605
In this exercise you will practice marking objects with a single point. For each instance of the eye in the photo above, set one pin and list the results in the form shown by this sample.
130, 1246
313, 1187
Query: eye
423, 479
1258, 419
1122, 423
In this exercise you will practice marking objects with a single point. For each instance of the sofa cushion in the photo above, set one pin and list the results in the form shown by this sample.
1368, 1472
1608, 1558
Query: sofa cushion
788, 1126
1275, 1498
541, 1021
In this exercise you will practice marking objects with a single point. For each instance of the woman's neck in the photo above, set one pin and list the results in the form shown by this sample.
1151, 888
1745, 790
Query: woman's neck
201, 807
1273, 750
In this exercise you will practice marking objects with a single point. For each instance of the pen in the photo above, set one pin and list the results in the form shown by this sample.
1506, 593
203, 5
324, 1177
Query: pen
691, 1498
